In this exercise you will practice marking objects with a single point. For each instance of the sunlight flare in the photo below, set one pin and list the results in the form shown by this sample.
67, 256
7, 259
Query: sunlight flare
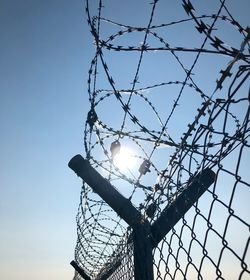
124, 159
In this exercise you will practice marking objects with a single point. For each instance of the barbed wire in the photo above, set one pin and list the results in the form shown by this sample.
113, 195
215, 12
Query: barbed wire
168, 99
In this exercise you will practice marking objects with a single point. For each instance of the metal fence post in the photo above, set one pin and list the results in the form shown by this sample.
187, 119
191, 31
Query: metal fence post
145, 237
177, 209
80, 271
143, 259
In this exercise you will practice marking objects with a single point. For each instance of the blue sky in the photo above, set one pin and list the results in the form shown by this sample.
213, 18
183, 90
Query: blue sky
45, 53
42, 113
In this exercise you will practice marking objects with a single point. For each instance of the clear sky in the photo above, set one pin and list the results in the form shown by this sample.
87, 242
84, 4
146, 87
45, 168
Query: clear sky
45, 52
42, 112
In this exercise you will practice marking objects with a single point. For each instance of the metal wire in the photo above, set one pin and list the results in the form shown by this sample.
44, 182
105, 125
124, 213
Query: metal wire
173, 95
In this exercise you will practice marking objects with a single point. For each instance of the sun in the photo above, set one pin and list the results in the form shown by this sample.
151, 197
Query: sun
124, 160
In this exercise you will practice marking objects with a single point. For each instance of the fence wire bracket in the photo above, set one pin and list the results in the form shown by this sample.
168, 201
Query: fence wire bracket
182, 203
143, 259
80, 271
145, 236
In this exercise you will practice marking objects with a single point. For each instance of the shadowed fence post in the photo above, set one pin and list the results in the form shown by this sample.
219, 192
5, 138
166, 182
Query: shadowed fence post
145, 237
177, 209
80, 271
143, 259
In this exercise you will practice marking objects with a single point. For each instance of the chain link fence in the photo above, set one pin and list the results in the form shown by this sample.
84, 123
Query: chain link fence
169, 97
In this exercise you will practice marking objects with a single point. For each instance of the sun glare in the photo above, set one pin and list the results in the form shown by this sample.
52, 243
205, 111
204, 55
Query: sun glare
124, 160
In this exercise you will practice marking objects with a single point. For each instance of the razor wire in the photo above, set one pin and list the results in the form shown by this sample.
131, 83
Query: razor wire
169, 97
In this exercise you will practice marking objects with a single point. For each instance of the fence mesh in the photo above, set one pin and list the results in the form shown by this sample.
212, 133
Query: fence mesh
169, 97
